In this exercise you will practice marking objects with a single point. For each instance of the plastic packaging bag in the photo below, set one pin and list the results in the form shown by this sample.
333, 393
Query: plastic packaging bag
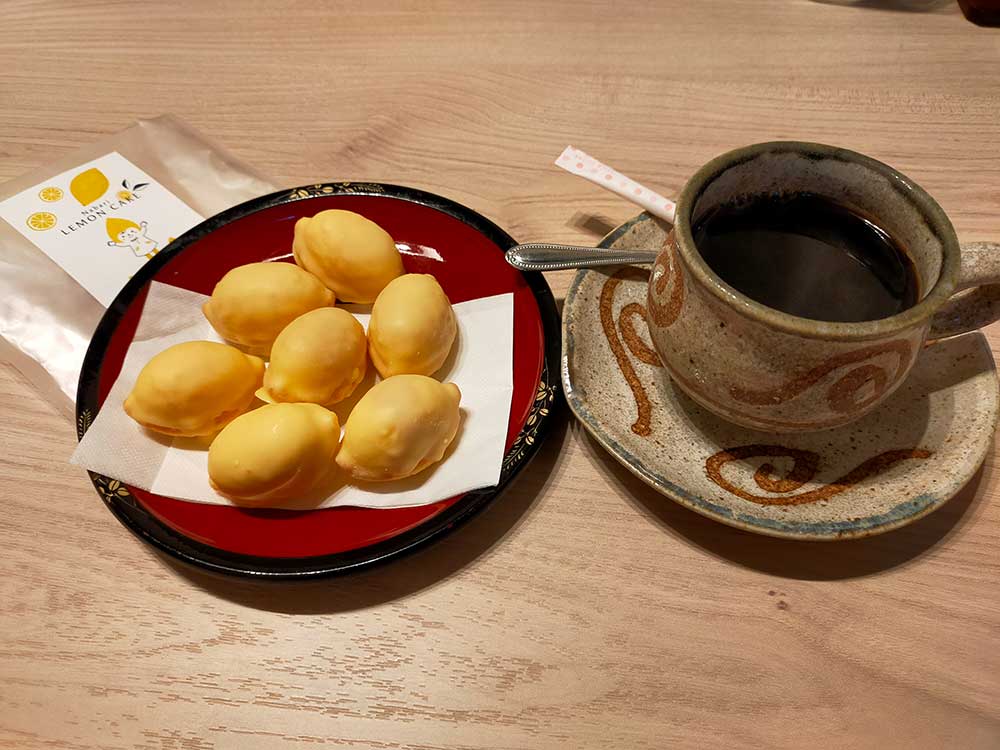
46, 317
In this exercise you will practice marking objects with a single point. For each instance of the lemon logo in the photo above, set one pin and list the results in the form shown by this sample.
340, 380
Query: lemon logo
88, 186
50, 194
41, 220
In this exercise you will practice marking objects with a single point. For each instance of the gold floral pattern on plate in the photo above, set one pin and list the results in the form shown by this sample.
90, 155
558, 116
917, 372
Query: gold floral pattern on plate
545, 395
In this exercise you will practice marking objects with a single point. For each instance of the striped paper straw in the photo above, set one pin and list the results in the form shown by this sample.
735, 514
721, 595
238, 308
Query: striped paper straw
576, 161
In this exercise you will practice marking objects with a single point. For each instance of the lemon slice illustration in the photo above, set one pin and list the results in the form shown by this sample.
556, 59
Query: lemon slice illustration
88, 186
50, 194
41, 220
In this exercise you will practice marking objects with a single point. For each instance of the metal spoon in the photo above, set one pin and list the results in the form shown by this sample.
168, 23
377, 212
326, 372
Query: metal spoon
542, 256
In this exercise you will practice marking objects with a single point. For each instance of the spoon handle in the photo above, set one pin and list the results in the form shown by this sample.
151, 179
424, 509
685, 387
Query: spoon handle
542, 256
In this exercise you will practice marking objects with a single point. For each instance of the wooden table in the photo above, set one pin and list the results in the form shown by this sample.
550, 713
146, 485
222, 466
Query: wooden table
583, 610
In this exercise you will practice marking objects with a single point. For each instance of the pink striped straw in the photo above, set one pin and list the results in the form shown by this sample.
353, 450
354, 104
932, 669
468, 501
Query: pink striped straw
576, 161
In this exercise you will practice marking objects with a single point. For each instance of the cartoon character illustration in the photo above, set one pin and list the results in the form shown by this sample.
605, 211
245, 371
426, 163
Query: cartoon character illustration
125, 233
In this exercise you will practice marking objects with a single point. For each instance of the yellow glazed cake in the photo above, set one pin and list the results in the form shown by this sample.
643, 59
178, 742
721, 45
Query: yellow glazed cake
400, 427
194, 388
412, 327
276, 452
353, 256
253, 303
320, 358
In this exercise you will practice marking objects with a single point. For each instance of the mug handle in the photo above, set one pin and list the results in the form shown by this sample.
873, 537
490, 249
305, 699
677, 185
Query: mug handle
977, 299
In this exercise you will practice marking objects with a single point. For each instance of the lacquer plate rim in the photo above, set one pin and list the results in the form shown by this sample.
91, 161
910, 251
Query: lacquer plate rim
144, 524
900, 515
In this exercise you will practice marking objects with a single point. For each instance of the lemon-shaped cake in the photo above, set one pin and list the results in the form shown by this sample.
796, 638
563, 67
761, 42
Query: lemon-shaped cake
319, 357
400, 427
352, 255
276, 452
251, 304
412, 327
194, 388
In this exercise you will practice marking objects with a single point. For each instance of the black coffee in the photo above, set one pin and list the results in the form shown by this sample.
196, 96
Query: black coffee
809, 256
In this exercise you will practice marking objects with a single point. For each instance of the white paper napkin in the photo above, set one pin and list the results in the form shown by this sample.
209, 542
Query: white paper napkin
480, 364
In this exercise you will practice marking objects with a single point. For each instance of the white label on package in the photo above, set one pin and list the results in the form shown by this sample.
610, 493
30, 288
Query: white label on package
100, 221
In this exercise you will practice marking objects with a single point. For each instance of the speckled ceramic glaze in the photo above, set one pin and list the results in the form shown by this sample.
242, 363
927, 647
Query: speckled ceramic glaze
897, 463
763, 368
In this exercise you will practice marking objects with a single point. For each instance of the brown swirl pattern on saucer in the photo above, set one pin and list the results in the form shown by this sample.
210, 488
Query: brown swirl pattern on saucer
804, 467
632, 340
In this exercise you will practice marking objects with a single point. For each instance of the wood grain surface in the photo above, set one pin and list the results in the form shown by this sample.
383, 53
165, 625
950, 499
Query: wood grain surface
582, 610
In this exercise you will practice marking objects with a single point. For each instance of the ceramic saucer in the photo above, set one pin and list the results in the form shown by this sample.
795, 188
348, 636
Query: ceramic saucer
895, 465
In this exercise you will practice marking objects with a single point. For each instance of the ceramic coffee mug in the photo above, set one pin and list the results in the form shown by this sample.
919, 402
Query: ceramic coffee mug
766, 369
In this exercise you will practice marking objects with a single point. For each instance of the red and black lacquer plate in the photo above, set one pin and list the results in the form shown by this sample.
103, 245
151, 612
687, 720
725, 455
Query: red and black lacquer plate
461, 248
